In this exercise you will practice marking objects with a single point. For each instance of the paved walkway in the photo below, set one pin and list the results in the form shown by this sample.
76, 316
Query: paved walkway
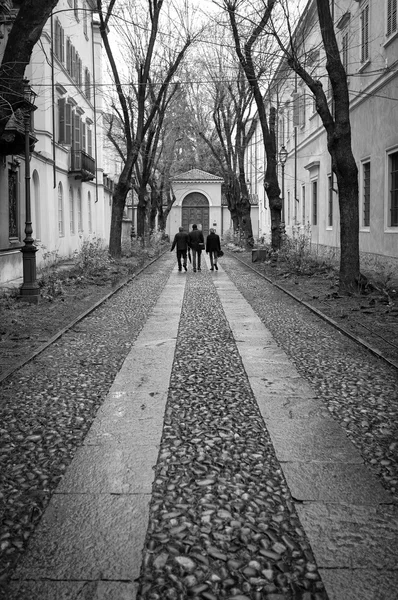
90, 541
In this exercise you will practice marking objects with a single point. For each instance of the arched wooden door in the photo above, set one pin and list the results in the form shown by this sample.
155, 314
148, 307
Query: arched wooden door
195, 209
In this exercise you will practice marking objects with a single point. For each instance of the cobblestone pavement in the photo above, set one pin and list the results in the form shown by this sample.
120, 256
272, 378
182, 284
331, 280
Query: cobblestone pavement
358, 389
222, 521
47, 407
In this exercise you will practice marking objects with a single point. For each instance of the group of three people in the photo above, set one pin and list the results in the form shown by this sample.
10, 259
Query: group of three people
194, 240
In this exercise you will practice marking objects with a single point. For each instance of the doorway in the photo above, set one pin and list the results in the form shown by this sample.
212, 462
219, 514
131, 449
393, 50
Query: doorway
195, 209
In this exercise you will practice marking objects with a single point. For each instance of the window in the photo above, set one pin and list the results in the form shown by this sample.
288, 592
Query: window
344, 50
282, 130
303, 202
296, 109
302, 110
366, 194
364, 30
391, 16
288, 208
59, 42
87, 84
89, 139
61, 227
85, 18
393, 191
330, 201
79, 211
13, 204
71, 211
287, 112
89, 210
314, 202
64, 122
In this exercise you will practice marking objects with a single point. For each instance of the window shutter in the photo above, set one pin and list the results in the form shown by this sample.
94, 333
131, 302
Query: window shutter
89, 141
365, 34
296, 114
76, 131
68, 55
62, 55
83, 133
57, 39
61, 120
389, 17
68, 124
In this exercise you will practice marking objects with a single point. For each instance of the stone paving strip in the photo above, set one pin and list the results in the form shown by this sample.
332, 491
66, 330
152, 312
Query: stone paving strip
256, 492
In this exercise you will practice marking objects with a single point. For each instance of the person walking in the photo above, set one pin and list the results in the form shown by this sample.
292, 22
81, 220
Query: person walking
181, 241
213, 247
196, 242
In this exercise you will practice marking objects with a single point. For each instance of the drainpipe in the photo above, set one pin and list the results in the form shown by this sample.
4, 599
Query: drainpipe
53, 103
95, 115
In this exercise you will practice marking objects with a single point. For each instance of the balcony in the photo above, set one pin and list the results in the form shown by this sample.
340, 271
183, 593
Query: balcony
13, 139
82, 166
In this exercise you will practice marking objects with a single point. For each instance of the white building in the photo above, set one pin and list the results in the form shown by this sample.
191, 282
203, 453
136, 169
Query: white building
68, 198
199, 200
368, 37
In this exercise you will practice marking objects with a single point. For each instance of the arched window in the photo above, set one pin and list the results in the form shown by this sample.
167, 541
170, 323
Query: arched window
90, 214
71, 211
61, 224
36, 223
79, 211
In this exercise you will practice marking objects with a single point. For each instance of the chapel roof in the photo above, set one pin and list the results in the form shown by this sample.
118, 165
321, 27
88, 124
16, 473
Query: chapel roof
196, 175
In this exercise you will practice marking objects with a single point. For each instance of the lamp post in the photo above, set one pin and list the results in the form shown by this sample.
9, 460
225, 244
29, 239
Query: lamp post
282, 160
29, 290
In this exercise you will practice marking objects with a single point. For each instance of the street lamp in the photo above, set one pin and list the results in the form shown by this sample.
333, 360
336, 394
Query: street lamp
30, 288
282, 160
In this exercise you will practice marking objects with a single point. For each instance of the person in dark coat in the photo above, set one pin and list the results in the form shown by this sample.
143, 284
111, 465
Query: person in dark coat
195, 239
213, 247
181, 241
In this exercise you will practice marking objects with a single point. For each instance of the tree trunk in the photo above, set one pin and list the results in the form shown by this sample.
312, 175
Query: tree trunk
118, 203
246, 224
346, 171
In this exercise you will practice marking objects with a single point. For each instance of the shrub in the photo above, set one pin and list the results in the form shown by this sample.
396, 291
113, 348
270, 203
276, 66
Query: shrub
297, 253
92, 258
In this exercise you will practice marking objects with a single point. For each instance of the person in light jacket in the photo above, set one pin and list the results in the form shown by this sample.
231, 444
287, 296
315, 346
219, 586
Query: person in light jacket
196, 242
213, 247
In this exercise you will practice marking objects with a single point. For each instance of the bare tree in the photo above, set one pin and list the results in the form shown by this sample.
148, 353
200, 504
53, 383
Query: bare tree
336, 122
247, 33
227, 135
25, 32
155, 63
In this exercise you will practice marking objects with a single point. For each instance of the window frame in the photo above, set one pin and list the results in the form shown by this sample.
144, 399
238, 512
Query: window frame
365, 194
89, 212
79, 211
61, 212
364, 45
72, 228
390, 227
303, 202
314, 202
391, 13
330, 203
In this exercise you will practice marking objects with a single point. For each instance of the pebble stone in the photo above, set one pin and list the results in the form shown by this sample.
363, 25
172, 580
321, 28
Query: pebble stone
47, 407
359, 390
222, 522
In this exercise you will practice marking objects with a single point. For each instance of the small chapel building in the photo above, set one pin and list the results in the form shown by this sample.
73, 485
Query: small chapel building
198, 200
